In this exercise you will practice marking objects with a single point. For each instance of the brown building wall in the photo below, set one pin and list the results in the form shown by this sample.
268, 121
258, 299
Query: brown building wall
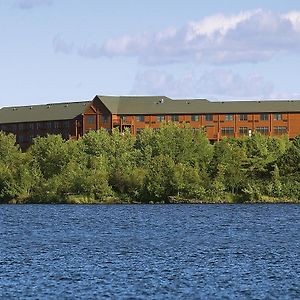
25, 132
217, 126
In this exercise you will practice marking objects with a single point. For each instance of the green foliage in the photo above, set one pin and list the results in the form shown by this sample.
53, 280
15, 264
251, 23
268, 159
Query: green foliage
174, 164
15, 179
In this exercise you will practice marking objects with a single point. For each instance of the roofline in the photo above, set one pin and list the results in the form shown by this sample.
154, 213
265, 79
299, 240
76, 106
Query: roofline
45, 104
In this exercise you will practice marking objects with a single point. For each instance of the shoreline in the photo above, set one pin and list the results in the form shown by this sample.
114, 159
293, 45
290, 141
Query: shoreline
86, 201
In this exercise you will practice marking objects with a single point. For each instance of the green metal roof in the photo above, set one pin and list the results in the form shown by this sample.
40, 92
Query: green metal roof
146, 105
46, 112
164, 105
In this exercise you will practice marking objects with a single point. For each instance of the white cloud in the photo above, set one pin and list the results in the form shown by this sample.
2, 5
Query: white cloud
249, 36
215, 84
216, 24
29, 4
294, 18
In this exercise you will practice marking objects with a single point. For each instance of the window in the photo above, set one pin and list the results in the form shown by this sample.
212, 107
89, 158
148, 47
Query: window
140, 118
56, 125
229, 117
21, 126
227, 131
208, 117
160, 118
124, 118
104, 118
243, 130
280, 129
91, 119
175, 118
49, 125
263, 130
243, 117
66, 124
264, 117
31, 126
277, 117
195, 118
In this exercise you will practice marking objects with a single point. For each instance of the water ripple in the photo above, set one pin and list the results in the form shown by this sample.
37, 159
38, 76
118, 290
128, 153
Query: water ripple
150, 252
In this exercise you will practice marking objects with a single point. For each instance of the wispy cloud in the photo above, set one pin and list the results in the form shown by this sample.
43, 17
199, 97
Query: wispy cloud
220, 84
29, 4
62, 46
249, 36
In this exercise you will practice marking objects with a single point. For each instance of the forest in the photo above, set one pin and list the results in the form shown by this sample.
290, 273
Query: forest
176, 164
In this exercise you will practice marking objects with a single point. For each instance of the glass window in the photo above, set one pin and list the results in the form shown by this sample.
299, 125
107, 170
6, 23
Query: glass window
227, 131
243, 117
229, 117
91, 119
195, 118
140, 118
66, 124
243, 130
280, 130
174, 118
49, 125
21, 126
160, 118
264, 117
262, 130
56, 125
104, 118
277, 117
208, 117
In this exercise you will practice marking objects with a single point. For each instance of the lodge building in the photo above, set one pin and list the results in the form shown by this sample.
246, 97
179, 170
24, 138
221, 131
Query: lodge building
220, 119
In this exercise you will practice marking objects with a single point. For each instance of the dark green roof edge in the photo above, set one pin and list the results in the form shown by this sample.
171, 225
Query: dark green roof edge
43, 112
164, 105
147, 105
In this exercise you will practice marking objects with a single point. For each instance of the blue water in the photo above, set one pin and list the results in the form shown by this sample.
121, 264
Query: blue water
150, 252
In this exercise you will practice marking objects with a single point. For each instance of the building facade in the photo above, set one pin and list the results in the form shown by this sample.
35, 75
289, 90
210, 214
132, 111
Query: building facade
220, 119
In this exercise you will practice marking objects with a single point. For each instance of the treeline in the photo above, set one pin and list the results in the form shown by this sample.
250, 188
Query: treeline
174, 164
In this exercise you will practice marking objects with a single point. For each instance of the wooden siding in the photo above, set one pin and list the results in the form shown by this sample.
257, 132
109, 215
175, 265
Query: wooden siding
217, 125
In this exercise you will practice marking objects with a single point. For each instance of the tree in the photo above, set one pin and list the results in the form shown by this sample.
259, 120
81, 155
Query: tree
15, 179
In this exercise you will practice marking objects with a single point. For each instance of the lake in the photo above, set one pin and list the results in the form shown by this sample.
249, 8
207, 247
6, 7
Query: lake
150, 251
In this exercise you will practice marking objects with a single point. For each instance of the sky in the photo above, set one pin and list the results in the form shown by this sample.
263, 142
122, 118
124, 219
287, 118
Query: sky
71, 50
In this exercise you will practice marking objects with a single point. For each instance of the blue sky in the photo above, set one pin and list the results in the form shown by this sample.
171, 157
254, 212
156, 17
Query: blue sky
69, 50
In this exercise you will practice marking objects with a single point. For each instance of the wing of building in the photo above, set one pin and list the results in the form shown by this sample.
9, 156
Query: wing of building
220, 119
